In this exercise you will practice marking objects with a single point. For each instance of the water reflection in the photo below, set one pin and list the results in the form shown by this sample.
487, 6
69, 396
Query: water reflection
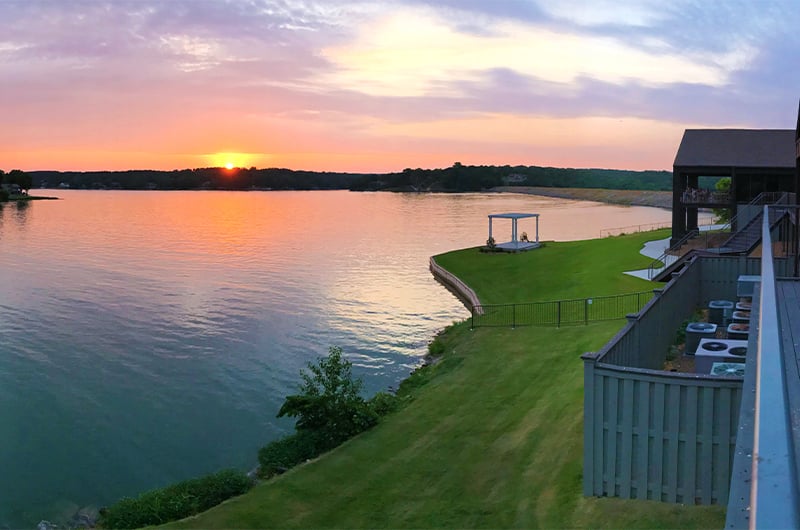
21, 212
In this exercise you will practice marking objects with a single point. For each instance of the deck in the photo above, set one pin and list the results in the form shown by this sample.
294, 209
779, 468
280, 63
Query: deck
518, 246
787, 292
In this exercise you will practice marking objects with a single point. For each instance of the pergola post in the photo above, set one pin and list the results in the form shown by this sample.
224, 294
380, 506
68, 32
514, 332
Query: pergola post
537, 228
490, 227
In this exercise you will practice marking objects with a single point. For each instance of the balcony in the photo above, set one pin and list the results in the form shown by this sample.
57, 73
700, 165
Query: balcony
705, 198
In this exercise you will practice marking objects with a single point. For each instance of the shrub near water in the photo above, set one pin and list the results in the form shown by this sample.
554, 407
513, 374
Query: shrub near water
285, 453
329, 410
176, 501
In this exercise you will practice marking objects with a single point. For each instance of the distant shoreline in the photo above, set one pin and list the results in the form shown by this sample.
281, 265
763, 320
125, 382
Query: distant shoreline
28, 198
654, 199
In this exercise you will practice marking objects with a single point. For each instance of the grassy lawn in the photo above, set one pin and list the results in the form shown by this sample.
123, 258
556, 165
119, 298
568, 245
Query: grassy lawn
491, 437
574, 269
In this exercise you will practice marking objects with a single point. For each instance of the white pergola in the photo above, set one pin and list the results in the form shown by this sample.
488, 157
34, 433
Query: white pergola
515, 244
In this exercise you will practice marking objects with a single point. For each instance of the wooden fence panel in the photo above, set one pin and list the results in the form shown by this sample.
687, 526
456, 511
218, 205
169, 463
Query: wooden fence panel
659, 437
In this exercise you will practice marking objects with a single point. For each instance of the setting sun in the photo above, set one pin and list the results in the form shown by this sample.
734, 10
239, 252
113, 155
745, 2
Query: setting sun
232, 159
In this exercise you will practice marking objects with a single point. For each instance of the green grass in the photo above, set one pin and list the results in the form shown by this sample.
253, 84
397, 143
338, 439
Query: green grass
574, 269
492, 438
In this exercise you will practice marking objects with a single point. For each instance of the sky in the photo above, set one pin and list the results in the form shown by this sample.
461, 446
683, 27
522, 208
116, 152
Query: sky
379, 86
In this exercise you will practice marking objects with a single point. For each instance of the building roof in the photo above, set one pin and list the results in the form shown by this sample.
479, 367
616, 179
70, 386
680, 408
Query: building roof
769, 148
512, 215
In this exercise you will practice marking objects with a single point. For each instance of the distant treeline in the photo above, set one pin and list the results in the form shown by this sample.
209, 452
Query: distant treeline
459, 177
210, 178
455, 178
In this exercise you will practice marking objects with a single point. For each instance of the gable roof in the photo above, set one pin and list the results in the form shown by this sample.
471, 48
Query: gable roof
773, 148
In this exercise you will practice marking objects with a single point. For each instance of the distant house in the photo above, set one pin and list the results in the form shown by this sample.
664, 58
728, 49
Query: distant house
515, 178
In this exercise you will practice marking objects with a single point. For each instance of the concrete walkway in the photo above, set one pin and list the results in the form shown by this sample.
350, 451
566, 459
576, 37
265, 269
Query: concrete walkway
651, 249
654, 249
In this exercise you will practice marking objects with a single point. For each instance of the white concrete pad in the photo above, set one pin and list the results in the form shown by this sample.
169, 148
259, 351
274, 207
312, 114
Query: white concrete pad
651, 249
655, 249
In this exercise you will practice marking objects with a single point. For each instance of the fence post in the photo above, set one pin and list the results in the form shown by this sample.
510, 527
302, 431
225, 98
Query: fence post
558, 319
585, 311
472, 322
513, 316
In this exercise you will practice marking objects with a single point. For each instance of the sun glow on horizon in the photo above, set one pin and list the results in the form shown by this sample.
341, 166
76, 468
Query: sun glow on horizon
231, 160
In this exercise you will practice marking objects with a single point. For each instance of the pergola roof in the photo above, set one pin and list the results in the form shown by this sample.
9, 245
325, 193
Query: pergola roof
751, 148
512, 215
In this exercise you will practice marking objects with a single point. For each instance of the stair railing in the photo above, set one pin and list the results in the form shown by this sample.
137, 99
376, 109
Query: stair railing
669, 256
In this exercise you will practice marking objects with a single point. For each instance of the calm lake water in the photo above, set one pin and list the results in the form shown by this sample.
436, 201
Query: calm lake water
149, 337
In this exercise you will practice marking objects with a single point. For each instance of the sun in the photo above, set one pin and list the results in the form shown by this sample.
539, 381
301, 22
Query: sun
228, 160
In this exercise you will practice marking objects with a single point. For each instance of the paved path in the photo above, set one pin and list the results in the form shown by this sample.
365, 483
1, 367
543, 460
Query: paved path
651, 249
654, 249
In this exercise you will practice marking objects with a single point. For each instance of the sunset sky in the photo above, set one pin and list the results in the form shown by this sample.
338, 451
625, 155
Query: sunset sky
350, 85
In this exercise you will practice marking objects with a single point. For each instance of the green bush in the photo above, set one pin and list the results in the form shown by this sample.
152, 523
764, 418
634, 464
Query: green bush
3, 195
383, 403
176, 501
283, 454
330, 404
436, 347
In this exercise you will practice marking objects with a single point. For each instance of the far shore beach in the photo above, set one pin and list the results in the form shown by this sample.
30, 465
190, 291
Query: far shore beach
655, 199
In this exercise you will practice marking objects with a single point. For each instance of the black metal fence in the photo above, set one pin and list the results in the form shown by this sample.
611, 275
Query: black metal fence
559, 312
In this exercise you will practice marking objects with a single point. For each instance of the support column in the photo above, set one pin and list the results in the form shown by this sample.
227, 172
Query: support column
490, 226
537, 228
691, 211
732, 197
514, 230
678, 211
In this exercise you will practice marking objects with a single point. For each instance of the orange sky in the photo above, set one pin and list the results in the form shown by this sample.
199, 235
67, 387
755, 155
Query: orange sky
381, 86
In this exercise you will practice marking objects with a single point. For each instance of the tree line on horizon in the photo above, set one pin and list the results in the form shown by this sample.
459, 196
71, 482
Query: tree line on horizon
459, 177
455, 178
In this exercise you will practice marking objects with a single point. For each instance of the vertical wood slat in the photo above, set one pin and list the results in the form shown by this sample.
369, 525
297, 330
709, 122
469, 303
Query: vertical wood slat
611, 454
658, 441
589, 426
690, 461
627, 439
643, 465
674, 430
723, 464
599, 449
707, 450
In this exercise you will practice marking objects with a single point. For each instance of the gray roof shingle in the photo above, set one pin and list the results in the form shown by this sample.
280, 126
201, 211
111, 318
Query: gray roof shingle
773, 148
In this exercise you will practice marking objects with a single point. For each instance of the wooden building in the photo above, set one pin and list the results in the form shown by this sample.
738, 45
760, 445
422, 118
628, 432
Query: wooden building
710, 437
756, 160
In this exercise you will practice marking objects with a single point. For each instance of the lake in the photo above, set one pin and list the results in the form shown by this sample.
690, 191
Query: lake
149, 337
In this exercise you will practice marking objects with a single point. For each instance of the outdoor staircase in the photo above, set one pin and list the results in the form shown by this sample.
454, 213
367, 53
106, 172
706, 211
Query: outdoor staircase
743, 241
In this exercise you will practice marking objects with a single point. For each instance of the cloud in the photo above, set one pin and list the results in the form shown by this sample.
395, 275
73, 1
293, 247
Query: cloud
417, 52
250, 75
